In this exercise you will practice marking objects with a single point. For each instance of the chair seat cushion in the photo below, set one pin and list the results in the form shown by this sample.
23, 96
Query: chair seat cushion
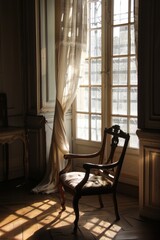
95, 182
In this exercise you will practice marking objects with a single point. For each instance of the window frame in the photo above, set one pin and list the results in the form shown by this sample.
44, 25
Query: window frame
106, 75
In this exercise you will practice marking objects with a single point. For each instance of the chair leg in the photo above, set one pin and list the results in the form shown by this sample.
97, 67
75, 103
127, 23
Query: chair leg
76, 210
62, 196
115, 206
100, 201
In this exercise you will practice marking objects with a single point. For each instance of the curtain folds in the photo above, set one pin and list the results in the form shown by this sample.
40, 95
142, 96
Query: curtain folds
70, 48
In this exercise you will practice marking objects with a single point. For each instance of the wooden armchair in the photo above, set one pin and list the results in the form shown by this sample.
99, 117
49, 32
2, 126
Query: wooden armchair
97, 179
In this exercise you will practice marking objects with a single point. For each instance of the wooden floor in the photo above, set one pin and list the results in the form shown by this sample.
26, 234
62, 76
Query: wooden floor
36, 217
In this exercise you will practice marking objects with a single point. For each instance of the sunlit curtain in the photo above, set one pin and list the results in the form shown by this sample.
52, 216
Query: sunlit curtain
70, 48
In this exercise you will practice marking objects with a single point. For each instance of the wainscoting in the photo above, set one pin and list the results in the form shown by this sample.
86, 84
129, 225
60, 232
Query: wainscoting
149, 175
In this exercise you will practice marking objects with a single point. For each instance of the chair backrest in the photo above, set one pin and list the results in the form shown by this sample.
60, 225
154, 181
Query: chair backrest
3, 111
117, 152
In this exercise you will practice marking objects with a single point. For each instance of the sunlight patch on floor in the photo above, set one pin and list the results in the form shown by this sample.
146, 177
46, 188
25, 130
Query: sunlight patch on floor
102, 228
22, 223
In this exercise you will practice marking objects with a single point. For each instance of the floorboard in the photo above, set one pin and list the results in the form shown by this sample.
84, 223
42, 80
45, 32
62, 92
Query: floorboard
24, 215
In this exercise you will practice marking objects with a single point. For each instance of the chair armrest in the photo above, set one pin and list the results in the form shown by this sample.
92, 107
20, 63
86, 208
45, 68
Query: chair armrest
73, 155
88, 166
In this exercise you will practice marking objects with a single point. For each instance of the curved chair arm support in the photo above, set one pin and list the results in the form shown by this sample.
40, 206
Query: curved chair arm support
67, 167
88, 167
84, 180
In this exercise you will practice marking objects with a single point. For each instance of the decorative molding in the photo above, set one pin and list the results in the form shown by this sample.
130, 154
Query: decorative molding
8, 136
36, 146
47, 58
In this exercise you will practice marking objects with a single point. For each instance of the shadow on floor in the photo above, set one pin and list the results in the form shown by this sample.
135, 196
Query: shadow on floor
62, 233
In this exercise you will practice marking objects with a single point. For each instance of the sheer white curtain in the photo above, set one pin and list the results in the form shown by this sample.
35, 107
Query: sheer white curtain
71, 44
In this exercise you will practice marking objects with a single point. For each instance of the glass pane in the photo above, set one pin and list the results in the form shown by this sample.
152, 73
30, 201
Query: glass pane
133, 71
133, 142
83, 99
132, 39
96, 128
119, 101
132, 11
83, 126
95, 43
96, 99
84, 80
133, 101
95, 14
120, 71
120, 11
120, 40
96, 72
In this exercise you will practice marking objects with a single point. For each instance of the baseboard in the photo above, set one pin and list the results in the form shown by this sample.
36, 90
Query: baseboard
128, 189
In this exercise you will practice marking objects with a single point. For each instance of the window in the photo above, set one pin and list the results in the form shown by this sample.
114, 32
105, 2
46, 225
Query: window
123, 69
89, 99
107, 93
